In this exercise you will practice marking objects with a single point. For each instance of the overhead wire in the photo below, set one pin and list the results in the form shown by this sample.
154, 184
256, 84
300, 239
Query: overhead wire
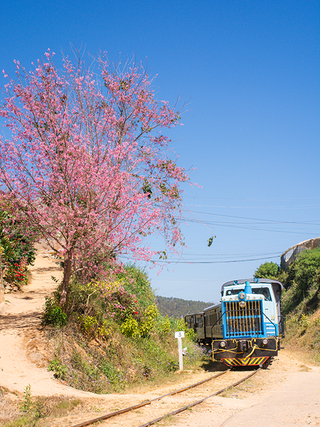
183, 261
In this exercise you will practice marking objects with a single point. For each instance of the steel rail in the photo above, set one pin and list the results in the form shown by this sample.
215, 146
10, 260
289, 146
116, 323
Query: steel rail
147, 402
177, 411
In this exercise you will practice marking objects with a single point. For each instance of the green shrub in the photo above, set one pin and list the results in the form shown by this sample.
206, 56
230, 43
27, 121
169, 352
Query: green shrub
53, 313
163, 325
136, 282
89, 324
130, 328
27, 400
60, 370
267, 270
149, 321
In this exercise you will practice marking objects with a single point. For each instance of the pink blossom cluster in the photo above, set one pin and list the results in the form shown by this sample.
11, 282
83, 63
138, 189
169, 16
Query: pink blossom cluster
85, 162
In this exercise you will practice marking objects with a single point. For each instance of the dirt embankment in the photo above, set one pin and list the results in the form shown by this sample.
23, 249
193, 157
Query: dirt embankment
286, 394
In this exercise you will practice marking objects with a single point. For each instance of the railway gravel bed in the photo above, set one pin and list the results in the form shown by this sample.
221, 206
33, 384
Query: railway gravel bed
156, 407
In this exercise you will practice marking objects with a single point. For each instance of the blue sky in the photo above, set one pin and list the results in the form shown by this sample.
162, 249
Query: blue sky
249, 71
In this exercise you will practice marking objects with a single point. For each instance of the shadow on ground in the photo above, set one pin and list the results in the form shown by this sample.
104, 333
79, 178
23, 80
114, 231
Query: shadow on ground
20, 321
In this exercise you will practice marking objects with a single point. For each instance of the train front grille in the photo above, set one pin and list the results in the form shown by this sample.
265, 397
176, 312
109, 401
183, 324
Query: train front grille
243, 322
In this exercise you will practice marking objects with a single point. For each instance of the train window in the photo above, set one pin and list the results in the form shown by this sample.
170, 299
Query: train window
234, 291
258, 291
198, 321
262, 291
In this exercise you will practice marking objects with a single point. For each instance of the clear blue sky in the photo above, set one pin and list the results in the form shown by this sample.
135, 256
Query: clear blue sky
250, 71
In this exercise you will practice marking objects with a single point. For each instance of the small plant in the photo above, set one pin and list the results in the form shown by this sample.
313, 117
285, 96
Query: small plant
88, 324
164, 326
26, 405
305, 322
130, 327
60, 370
53, 314
104, 330
150, 317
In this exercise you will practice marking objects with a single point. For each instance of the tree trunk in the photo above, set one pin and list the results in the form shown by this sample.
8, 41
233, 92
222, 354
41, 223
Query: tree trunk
66, 278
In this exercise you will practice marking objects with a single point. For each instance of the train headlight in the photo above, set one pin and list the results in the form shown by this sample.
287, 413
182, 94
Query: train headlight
242, 304
241, 295
265, 341
222, 344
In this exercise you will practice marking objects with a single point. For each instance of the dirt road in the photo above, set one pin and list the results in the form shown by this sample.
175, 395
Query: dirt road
286, 394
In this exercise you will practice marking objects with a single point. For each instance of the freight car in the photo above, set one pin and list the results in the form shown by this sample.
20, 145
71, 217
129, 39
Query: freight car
246, 327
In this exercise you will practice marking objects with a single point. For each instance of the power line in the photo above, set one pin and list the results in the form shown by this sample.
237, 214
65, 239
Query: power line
253, 199
230, 225
255, 219
260, 207
181, 261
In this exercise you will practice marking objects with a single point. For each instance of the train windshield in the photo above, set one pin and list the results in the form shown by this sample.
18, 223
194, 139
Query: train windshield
258, 291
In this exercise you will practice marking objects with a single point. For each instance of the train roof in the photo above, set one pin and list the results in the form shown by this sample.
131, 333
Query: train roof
274, 283
211, 307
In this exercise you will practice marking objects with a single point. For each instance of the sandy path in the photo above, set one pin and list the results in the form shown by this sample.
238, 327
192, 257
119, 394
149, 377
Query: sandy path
296, 403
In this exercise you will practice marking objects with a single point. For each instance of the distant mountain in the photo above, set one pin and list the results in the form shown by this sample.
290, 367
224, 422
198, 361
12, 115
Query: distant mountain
177, 307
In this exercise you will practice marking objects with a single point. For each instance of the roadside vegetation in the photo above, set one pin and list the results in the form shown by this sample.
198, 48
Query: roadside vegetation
30, 411
111, 335
16, 248
300, 300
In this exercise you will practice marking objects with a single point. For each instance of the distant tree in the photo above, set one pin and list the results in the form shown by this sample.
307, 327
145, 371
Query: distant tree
268, 270
84, 164
177, 307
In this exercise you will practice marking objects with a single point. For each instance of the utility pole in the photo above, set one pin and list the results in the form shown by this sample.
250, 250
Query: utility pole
180, 335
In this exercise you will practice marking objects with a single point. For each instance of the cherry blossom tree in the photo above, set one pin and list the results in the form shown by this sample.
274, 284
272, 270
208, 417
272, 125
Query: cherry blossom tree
85, 162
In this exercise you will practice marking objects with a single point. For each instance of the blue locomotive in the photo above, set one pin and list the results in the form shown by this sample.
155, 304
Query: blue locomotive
246, 327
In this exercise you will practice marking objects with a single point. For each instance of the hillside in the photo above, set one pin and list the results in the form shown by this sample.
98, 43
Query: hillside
300, 300
301, 303
177, 307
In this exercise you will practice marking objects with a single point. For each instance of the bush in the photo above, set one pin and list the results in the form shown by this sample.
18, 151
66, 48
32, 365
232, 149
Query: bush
60, 370
53, 314
267, 270
136, 282
16, 246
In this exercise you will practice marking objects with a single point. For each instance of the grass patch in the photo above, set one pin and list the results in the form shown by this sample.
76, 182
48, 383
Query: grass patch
303, 334
29, 411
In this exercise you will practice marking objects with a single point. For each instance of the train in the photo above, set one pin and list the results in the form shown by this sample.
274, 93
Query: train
246, 327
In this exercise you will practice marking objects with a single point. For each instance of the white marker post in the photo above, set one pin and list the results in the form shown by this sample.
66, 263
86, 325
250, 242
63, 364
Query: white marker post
180, 335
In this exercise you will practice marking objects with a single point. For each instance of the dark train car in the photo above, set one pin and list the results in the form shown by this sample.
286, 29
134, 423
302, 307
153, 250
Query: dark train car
213, 323
196, 322
246, 328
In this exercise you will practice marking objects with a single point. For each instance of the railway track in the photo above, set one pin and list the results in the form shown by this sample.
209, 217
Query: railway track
170, 413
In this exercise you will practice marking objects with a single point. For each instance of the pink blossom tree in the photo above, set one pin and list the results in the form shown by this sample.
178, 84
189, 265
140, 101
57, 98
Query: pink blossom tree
85, 162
